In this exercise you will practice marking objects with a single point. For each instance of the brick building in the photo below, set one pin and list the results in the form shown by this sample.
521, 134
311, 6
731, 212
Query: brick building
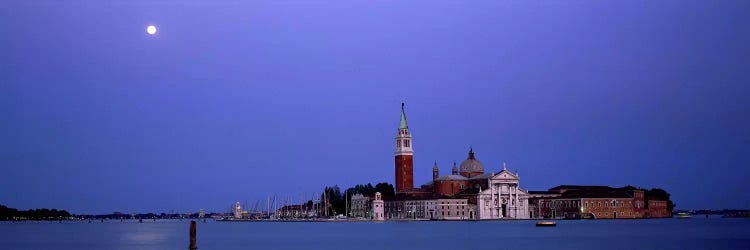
456, 195
470, 193
594, 202
657, 209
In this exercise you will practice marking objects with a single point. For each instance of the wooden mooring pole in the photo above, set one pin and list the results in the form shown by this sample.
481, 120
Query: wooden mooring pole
192, 236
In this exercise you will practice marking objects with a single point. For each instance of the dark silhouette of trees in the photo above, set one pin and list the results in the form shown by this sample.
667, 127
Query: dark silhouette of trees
7, 213
334, 200
384, 188
660, 194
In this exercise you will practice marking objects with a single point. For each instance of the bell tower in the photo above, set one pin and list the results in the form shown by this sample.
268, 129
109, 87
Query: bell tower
404, 156
435, 173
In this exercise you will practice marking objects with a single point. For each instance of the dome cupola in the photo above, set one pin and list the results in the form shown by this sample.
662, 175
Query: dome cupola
471, 166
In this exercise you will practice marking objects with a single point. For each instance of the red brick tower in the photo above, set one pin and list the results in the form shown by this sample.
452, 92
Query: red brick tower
404, 156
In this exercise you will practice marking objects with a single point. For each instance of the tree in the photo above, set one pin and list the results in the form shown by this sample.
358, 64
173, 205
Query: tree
332, 200
7, 213
660, 194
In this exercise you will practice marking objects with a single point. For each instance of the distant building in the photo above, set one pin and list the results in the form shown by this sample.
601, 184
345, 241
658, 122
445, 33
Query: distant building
504, 198
594, 202
404, 157
467, 193
657, 209
361, 206
237, 211
295, 211
378, 207
430, 209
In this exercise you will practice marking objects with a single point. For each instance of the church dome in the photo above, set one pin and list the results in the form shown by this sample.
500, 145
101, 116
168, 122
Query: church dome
471, 164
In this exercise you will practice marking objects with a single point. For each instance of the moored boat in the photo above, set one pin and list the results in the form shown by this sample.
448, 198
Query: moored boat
683, 215
546, 224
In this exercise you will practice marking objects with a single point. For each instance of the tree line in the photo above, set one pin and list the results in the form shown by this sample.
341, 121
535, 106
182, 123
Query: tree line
659, 194
335, 201
7, 213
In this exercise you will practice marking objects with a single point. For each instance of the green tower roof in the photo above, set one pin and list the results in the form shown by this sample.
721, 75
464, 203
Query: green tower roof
403, 118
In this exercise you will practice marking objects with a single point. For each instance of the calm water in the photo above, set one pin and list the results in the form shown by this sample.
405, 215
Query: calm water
696, 233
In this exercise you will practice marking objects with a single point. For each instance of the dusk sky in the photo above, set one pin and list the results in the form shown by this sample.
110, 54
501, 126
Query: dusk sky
241, 100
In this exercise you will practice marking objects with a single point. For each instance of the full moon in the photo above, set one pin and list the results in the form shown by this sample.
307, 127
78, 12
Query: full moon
151, 29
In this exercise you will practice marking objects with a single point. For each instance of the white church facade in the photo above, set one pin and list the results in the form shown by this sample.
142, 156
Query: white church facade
503, 199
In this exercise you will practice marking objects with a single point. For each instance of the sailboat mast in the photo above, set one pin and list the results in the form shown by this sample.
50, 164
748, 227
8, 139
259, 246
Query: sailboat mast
346, 204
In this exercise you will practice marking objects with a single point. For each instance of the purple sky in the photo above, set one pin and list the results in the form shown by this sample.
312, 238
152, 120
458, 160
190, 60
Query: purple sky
236, 101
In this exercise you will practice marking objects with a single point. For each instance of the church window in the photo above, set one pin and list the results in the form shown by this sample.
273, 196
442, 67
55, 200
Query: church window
406, 143
398, 143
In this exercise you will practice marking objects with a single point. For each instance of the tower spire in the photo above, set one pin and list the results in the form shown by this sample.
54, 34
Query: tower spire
404, 156
403, 118
435, 170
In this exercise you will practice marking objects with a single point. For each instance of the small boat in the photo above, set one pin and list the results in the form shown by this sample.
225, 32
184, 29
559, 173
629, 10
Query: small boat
683, 215
546, 224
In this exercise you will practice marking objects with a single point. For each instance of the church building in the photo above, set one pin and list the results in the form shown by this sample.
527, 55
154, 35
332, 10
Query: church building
467, 193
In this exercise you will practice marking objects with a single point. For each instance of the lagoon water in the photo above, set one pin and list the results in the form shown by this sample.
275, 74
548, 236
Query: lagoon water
695, 233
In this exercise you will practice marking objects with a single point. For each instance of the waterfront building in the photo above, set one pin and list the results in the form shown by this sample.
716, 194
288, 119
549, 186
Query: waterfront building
378, 207
361, 206
504, 198
453, 196
237, 211
430, 209
295, 211
595, 202
468, 193
658, 209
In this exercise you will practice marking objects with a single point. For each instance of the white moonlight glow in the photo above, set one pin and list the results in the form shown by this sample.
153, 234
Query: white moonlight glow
151, 29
